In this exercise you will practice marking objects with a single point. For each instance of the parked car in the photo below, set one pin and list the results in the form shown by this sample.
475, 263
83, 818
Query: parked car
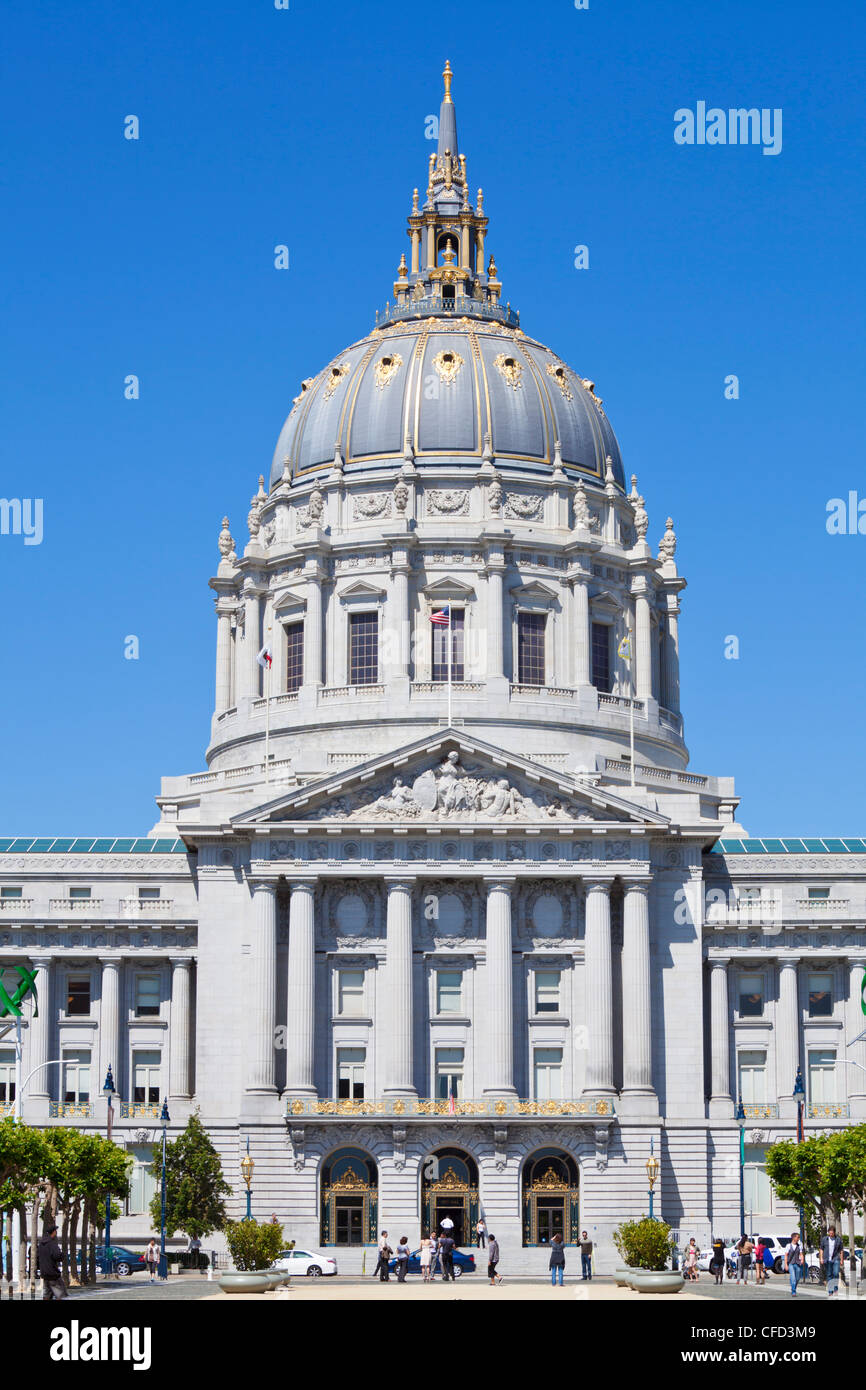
311, 1263
815, 1275
121, 1261
463, 1264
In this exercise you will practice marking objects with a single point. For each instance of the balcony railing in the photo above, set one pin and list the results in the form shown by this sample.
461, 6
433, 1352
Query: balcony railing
437, 1109
621, 702
15, 904
345, 692
441, 687
70, 1109
760, 1110
146, 907
459, 307
823, 904
827, 1110
139, 1110
554, 692
81, 906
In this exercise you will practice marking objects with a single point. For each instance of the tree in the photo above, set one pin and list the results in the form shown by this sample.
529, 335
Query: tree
810, 1176
194, 1184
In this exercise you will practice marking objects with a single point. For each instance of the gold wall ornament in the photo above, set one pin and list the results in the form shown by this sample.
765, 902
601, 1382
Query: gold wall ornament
509, 368
590, 387
350, 1182
335, 376
449, 1183
560, 376
447, 365
386, 369
551, 1181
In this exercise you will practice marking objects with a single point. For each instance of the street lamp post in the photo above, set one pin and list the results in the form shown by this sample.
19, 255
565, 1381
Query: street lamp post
247, 1166
800, 1096
163, 1267
108, 1092
741, 1120
652, 1172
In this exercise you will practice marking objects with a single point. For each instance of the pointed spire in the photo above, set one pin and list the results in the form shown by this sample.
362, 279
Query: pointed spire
447, 118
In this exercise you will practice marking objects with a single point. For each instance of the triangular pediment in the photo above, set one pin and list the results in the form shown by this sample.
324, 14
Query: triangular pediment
451, 778
541, 593
448, 588
288, 602
361, 590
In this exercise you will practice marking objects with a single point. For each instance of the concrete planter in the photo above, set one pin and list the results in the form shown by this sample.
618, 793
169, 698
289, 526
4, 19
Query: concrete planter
621, 1275
656, 1280
277, 1277
245, 1281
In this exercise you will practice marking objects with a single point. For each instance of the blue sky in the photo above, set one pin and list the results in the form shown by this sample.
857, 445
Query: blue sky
306, 127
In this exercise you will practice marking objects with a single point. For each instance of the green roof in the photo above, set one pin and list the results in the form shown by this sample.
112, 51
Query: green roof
829, 846
87, 845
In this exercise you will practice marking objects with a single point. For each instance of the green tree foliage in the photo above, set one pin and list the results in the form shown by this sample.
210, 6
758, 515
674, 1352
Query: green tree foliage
194, 1183
809, 1175
253, 1246
644, 1244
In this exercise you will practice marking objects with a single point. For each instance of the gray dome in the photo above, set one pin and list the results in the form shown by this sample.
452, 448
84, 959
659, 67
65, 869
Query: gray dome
445, 385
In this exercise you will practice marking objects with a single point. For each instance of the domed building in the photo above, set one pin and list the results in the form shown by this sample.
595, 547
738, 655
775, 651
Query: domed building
447, 928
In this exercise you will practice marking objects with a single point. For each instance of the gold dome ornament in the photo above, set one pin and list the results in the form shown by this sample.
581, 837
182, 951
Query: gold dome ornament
447, 364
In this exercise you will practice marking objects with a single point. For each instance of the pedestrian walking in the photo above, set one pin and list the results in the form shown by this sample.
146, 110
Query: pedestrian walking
402, 1259
425, 1258
717, 1259
493, 1261
744, 1255
151, 1259
385, 1255
760, 1267
446, 1250
585, 1256
49, 1262
447, 1225
382, 1244
831, 1255
481, 1233
794, 1261
557, 1260
435, 1256
193, 1248
692, 1261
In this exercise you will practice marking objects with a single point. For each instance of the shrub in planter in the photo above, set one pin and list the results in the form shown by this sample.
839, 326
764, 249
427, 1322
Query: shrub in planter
643, 1244
254, 1246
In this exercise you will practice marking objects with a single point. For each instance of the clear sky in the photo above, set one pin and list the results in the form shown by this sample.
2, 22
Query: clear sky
306, 126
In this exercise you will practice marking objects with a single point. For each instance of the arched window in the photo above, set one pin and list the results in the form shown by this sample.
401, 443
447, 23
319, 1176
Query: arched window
551, 1197
350, 1190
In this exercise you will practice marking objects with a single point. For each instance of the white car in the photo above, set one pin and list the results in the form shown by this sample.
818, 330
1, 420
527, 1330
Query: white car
311, 1263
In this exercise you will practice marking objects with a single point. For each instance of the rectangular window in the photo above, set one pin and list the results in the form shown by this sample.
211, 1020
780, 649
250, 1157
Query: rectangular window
350, 993
79, 894
148, 895
351, 1065
7, 1076
751, 996
449, 991
145, 1077
441, 636
752, 1077
756, 1185
76, 1075
294, 656
547, 1073
363, 648
78, 996
142, 1183
822, 1076
601, 657
11, 893
547, 991
819, 893
449, 1072
147, 996
820, 996
530, 648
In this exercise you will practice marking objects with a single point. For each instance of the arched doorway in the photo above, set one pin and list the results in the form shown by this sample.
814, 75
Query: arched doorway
551, 1198
349, 1198
449, 1189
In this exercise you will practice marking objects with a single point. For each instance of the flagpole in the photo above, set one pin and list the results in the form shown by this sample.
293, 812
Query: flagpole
268, 665
448, 640
631, 721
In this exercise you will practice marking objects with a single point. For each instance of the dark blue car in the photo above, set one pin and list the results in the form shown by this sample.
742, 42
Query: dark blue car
463, 1264
122, 1261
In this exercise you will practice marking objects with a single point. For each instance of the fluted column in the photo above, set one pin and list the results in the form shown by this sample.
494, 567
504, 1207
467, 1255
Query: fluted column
261, 1013
599, 989
301, 991
223, 660
109, 1024
855, 1022
39, 1087
581, 633
643, 647
721, 1103
398, 993
672, 662
313, 629
636, 1006
499, 1022
494, 622
247, 667
178, 1042
399, 621
787, 1032
278, 676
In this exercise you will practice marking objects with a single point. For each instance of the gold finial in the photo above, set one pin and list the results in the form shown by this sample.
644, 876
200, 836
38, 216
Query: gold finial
462, 159
447, 75
491, 268
402, 267
480, 199
414, 200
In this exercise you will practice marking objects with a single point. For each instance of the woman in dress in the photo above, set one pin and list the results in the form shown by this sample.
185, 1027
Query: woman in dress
692, 1260
425, 1258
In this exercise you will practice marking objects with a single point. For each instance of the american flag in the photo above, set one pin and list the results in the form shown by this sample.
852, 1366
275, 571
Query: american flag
442, 616
452, 1109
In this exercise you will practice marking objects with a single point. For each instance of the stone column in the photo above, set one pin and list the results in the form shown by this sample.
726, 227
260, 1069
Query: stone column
495, 666
721, 1104
247, 666
39, 1088
301, 991
261, 1015
398, 992
313, 629
278, 674
636, 1006
672, 663
787, 1035
581, 633
499, 1023
598, 974
178, 1042
643, 647
398, 619
855, 1022
109, 1025
416, 243
223, 660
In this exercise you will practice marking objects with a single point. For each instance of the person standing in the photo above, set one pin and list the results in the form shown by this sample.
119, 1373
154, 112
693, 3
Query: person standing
481, 1233
493, 1261
557, 1260
151, 1258
193, 1248
831, 1255
446, 1250
402, 1259
435, 1257
425, 1258
49, 1261
585, 1256
692, 1261
794, 1261
447, 1225
383, 1240
744, 1253
717, 1260
760, 1267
